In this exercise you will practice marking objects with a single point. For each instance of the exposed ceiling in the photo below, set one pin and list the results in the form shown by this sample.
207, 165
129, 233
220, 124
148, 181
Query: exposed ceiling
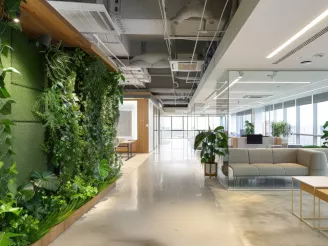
258, 28
172, 40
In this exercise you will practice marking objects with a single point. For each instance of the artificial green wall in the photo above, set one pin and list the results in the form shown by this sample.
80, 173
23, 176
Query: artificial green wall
25, 89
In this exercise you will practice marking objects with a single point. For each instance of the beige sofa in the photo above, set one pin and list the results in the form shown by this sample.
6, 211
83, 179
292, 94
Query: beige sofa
277, 162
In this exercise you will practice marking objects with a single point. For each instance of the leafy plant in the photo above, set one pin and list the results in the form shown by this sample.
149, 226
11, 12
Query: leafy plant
45, 180
5, 238
325, 135
281, 129
249, 128
213, 142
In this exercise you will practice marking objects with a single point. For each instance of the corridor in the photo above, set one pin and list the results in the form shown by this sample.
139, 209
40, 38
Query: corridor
163, 202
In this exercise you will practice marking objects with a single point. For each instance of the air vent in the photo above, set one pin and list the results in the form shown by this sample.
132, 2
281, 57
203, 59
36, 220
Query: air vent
255, 96
185, 66
301, 46
87, 17
105, 20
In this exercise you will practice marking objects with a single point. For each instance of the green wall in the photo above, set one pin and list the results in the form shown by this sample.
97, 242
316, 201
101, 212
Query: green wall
25, 89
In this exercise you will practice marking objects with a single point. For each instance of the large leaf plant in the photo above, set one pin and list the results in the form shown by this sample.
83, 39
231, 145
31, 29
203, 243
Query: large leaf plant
213, 143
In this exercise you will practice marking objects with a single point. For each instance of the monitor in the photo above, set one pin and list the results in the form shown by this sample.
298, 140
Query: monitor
255, 139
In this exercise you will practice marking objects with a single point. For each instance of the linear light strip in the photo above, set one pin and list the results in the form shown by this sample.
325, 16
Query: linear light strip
233, 83
300, 33
274, 82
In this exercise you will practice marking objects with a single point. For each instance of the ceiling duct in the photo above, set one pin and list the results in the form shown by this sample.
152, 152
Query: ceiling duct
154, 60
195, 9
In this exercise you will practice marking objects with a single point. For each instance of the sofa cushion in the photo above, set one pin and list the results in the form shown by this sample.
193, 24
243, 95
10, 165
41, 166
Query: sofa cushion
238, 156
266, 169
284, 155
293, 169
260, 156
243, 169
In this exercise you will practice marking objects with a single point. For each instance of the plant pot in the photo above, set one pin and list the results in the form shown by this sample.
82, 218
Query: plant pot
211, 169
284, 143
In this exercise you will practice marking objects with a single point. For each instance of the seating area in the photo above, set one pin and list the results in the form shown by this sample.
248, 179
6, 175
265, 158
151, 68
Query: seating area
277, 162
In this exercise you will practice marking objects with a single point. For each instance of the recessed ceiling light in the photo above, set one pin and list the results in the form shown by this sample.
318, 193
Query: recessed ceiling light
306, 62
300, 33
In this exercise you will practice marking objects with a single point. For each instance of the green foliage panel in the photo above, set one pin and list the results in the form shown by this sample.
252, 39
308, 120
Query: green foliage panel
28, 60
27, 140
25, 102
25, 89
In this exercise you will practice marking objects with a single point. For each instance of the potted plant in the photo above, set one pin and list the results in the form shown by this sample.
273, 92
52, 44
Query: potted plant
213, 143
283, 130
249, 128
325, 135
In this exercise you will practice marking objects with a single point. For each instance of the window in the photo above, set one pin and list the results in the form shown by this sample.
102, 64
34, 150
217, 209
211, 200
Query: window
177, 123
214, 122
202, 123
165, 123
306, 115
322, 105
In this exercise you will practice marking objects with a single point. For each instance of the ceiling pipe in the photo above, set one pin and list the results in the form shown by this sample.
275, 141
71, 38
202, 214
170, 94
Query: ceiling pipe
215, 34
193, 54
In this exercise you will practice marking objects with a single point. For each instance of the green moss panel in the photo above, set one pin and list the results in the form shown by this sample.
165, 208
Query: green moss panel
25, 89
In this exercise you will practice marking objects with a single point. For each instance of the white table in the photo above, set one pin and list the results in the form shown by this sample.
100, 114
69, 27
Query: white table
310, 184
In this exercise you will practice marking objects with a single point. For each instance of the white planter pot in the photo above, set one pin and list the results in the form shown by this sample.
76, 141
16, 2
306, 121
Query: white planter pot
210, 169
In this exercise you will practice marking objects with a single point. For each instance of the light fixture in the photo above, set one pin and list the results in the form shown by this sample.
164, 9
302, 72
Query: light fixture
300, 33
306, 62
16, 20
275, 82
231, 84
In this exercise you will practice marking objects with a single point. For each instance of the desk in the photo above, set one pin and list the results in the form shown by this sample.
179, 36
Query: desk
309, 184
128, 145
322, 194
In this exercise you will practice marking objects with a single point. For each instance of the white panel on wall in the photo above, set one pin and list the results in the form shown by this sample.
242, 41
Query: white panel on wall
127, 127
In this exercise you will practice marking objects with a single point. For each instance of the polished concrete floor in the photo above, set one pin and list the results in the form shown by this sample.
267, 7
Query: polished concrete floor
167, 202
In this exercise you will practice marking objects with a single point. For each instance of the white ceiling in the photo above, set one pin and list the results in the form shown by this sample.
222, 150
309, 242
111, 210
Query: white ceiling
286, 85
270, 24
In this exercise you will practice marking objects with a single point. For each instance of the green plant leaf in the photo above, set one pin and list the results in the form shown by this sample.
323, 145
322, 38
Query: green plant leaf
4, 93
25, 192
104, 168
7, 122
6, 108
46, 180
199, 139
10, 70
7, 208
5, 238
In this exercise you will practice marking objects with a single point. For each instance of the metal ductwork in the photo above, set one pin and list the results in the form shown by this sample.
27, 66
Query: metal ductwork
195, 9
150, 61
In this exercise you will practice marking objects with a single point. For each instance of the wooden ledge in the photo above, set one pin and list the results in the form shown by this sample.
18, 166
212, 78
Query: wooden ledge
39, 18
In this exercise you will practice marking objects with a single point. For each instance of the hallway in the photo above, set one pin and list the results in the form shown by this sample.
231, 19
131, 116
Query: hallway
163, 202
